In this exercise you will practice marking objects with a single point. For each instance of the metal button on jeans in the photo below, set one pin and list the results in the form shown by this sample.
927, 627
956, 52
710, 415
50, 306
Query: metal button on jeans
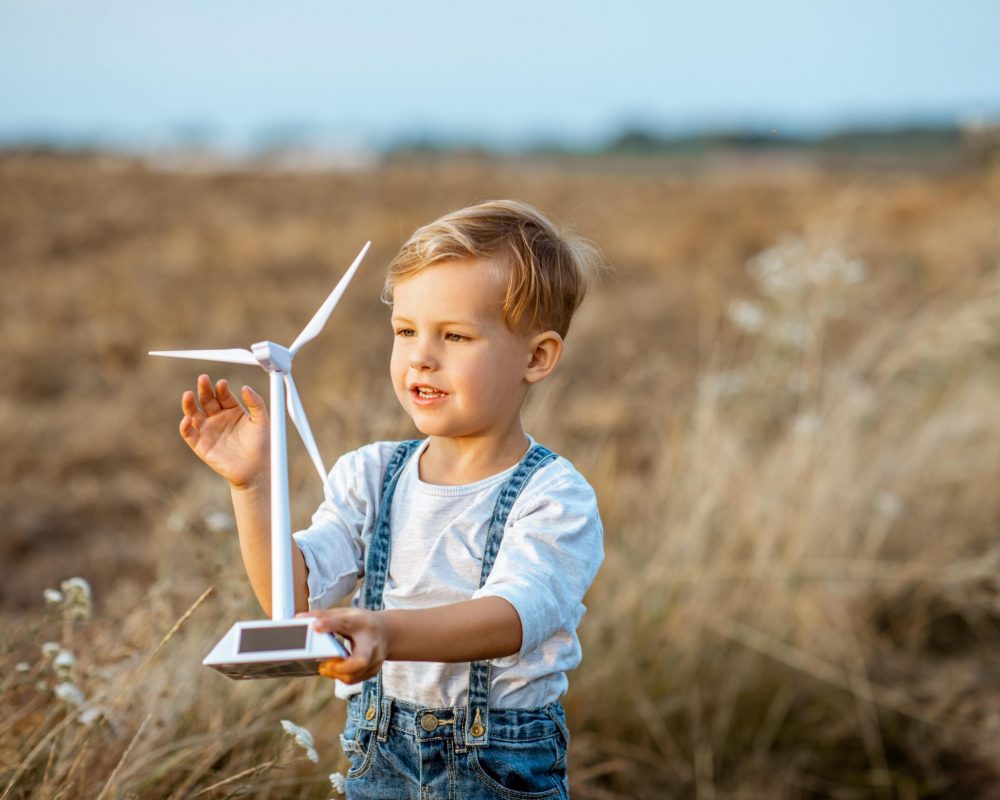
370, 714
477, 728
428, 722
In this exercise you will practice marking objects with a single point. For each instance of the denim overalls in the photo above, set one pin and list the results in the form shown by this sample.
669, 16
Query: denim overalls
402, 751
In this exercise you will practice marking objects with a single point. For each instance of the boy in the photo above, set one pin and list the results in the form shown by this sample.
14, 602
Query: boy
476, 544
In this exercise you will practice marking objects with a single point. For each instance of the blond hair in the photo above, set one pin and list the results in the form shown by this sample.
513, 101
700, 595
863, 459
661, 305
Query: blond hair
547, 271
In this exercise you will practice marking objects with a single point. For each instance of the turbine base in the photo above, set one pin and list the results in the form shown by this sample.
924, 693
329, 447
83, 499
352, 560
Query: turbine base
273, 649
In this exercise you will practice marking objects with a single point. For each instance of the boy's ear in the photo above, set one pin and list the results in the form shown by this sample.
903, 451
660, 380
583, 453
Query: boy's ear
546, 349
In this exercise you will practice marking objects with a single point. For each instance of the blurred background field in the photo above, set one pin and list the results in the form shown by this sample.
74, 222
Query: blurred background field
785, 391
785, 395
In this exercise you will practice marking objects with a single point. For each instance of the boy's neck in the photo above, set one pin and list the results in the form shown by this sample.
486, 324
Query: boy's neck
455, 461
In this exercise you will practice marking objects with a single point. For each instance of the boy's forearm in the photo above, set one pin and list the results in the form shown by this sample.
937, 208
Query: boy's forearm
473, 630
252, 508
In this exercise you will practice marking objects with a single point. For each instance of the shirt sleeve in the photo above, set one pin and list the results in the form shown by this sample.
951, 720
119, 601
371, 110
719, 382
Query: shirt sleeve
334, 545
551, 551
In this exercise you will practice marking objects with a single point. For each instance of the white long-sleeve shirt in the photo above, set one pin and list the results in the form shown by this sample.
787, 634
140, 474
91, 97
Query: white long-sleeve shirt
551, 550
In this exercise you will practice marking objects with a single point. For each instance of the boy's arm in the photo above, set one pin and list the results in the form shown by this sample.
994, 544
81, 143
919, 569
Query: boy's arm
252, 508
472, 630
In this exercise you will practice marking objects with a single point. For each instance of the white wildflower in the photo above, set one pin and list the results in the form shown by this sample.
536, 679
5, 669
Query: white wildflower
68, 693
90, 715
746, 315
76, 589
219, 521
22, 666
786, 271
41, 686
77, 592
53, 596
302, 738
338, 783
51, 649
63, 663
778, 270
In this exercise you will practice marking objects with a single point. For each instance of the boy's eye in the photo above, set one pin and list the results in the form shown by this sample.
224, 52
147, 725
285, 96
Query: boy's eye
455, 337
404, 332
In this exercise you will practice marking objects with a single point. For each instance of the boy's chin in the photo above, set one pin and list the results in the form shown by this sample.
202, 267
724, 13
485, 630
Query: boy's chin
435, 427
425, 426
430, 429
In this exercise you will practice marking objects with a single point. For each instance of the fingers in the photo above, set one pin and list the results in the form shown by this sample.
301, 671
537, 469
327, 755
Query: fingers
333, 620
365, 658
192, 417
188, 430
206, 396
225, 396
256, 407
189, 406
330, 669
212, 400
358, 666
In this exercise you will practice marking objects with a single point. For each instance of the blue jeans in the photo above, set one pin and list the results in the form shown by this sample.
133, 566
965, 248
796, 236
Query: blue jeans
420, 753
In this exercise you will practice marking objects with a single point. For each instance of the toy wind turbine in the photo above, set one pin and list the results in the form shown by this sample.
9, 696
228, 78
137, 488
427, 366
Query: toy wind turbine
281, 646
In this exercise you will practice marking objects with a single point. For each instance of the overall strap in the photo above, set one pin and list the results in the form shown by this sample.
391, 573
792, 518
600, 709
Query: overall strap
377, 566
477, 714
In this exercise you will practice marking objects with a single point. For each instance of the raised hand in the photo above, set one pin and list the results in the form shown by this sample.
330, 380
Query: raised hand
233, 442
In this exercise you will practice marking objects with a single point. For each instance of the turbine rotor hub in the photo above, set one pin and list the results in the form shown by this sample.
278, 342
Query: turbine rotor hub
272, 357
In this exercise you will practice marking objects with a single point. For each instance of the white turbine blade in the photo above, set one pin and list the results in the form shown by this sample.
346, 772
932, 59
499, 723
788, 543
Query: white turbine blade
298, 415
311, 331
235, 355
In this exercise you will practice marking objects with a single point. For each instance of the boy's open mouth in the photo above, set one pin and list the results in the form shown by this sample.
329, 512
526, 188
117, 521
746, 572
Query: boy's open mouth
427, 392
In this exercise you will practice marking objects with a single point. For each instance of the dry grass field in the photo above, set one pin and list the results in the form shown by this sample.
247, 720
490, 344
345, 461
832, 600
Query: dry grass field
786, 395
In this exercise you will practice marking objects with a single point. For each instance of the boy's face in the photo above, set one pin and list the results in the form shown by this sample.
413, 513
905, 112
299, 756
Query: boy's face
457, 369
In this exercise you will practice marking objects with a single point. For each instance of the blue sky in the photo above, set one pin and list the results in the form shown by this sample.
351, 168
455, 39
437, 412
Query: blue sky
500, 73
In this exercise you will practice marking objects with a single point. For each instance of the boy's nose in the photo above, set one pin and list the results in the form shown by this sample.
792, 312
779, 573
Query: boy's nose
422, 358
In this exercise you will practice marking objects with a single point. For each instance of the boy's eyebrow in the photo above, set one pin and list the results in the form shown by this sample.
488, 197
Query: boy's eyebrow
467, 322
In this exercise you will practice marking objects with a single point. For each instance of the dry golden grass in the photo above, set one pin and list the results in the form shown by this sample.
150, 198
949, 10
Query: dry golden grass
785, 395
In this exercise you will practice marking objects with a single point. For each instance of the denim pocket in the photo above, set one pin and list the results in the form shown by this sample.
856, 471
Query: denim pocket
358, 745
519, 770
